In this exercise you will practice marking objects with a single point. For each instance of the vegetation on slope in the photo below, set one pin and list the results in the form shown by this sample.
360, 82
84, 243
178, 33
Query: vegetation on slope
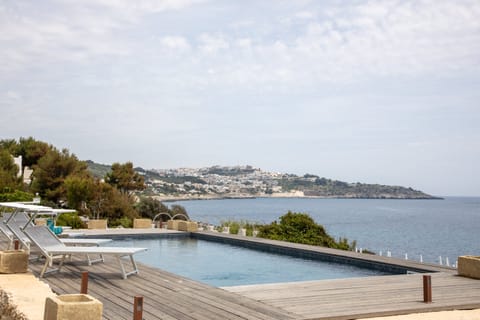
315, 186
62, 180
301, 228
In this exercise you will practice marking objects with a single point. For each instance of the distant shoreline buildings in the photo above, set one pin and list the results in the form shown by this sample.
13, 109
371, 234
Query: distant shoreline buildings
219, 182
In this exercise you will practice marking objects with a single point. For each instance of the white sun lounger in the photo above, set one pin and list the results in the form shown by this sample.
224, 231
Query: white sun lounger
13, 230
8, 234
52, 248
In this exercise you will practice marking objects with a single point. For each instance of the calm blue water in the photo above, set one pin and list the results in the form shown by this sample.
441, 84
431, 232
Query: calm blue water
225, 265
430, 228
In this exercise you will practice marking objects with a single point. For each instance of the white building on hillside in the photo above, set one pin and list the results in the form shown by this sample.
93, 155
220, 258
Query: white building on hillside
18, 162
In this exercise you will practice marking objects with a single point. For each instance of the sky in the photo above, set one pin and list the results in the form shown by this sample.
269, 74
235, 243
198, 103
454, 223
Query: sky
381, 92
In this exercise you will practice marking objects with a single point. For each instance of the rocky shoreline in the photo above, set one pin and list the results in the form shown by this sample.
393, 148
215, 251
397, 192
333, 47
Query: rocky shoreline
298, 194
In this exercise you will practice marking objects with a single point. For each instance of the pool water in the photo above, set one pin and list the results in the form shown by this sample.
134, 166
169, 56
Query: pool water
222, 265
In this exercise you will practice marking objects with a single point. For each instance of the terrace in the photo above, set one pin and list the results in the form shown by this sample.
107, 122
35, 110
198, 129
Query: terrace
169, 296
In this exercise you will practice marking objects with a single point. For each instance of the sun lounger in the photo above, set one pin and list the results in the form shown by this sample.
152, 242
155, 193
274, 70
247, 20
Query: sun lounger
8, 234
52, 248
13, 230
18, 234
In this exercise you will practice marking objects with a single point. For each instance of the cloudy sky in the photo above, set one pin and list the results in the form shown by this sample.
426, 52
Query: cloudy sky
371, 91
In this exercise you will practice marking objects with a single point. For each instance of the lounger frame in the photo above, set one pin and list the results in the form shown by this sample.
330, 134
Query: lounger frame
59, 250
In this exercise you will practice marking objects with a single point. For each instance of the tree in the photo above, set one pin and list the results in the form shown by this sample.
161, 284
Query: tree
59, 176
99, 200
97, 206
149, 207
51, 171
80, 191
8, 172
9, 145
11, 186
124, 178
32, 150
179, 210
117, 206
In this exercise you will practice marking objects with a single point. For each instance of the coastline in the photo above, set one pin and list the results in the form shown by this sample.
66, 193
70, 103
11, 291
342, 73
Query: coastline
286, 195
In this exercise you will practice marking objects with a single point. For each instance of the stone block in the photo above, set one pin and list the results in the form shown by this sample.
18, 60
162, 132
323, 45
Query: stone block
13, 261
97, 224
182, 225
469, 266
172, 224
192, 226
41, 221
188, 226
142, 223
73, 307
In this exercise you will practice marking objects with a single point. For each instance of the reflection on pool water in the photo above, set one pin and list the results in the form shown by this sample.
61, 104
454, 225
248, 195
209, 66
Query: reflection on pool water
223, 265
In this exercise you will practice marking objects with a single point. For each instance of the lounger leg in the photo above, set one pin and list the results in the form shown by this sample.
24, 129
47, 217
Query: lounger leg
61, 262
45, 266
49, 263
134, 264
122, 268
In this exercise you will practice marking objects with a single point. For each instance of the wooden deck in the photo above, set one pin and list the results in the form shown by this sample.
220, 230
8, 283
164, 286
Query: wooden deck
366, 297
168, 296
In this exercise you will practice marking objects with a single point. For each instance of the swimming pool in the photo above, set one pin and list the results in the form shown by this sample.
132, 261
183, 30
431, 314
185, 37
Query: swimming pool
222, 265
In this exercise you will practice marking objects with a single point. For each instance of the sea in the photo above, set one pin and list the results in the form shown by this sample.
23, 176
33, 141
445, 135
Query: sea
432, 231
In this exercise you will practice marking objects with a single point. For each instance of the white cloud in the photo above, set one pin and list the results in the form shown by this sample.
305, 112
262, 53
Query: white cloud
244, 43
304, 15
46, 38
134, 10
12, 95
352, 43
74, 32
388, 38
308, 75
175, 42
375, 38
212, 44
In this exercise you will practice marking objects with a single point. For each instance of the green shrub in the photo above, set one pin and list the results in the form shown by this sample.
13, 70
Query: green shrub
16, 195
125, 222
249, 229
70, 220
222, 225
300, 228
234, 227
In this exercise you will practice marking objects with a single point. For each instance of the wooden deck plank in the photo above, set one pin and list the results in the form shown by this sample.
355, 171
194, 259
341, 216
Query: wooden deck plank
366, 297
206, 296
166, 296
174, 305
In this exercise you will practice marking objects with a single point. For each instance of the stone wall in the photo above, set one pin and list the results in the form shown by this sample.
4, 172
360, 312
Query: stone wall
22, 297
142, 223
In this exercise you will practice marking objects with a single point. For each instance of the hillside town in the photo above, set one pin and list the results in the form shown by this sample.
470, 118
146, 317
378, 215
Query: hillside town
248, 181
213, 182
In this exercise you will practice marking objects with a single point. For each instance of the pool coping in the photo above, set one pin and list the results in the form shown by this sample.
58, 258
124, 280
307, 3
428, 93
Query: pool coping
362, 260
